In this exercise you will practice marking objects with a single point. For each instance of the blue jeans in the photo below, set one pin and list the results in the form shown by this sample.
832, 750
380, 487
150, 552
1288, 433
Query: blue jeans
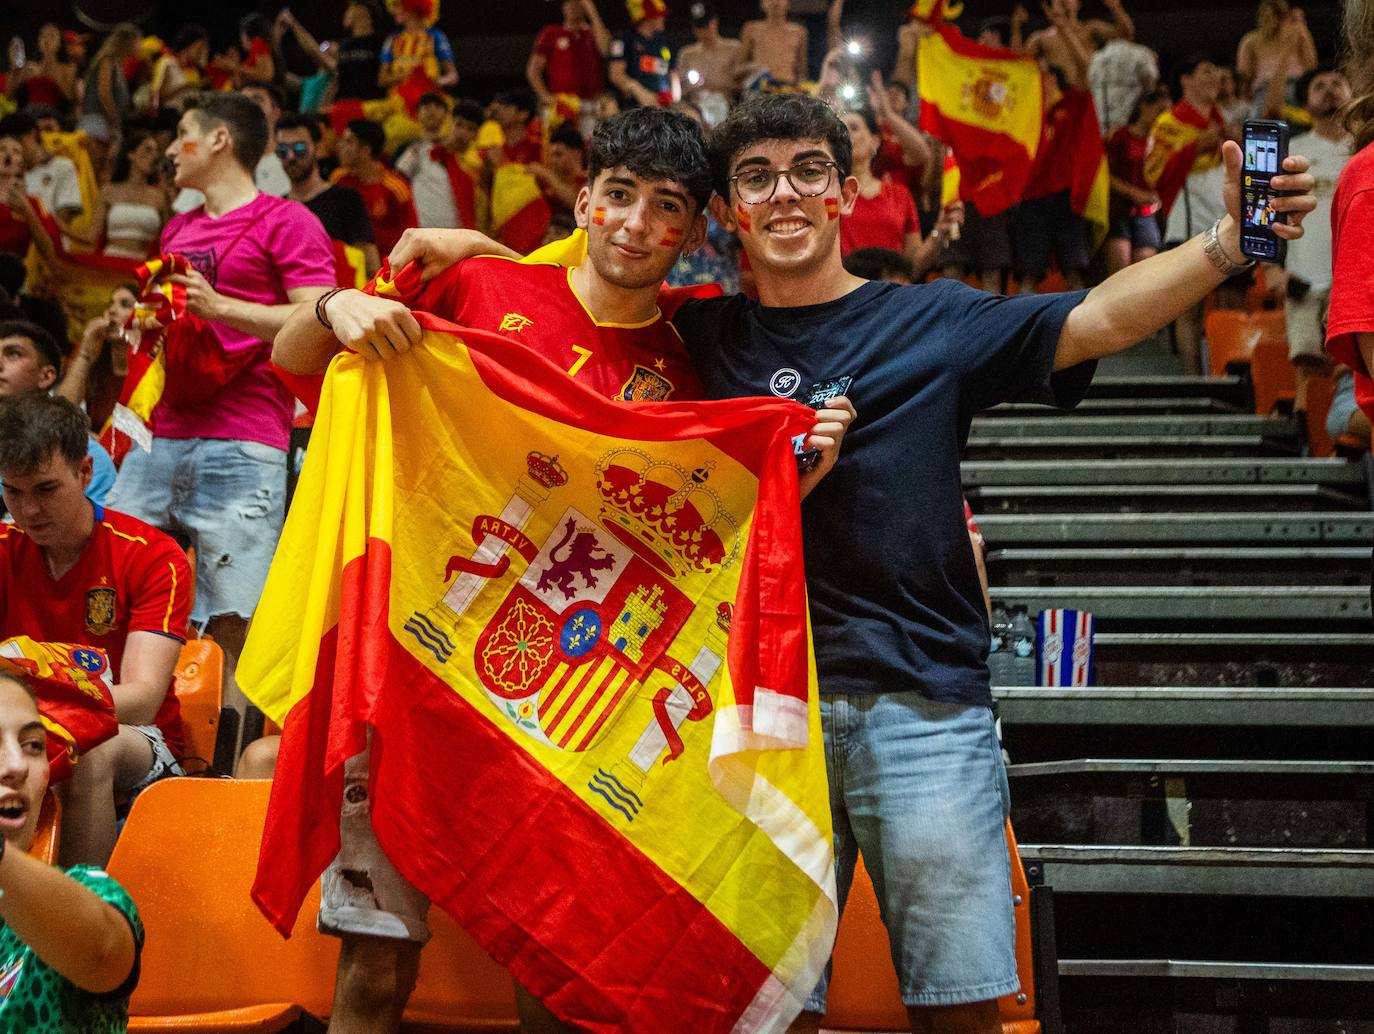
225, 498
919, 788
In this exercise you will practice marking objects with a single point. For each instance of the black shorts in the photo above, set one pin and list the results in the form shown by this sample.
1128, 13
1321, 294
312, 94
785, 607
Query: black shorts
984, 244
1045, 225
1141, 230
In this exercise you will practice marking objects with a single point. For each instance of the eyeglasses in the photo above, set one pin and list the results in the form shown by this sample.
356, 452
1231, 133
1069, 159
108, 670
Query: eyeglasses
300, 149
808, 179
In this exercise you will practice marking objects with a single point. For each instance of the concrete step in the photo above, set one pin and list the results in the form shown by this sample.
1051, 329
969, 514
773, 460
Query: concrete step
1210, 969
1172, 565
1179, 426
1202, 658
1228, 389
1160, 498
1186, 706
1241, 871
1103, 529
1178, 471
1105, 446
1295, 605
1124, 406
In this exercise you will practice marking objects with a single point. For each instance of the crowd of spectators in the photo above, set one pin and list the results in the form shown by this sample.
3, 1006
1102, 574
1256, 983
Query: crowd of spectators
278, 177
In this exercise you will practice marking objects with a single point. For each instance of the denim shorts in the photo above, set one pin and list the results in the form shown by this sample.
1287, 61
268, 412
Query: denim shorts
225, 498
919, 788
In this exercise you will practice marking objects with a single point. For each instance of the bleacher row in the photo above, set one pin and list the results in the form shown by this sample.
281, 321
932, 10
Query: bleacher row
1204, 811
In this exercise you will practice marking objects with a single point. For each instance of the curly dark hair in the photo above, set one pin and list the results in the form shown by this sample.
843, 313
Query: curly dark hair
777, 116
654, 144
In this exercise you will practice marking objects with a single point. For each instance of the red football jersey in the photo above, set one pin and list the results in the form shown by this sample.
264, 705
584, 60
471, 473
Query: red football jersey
536, 306
130, 578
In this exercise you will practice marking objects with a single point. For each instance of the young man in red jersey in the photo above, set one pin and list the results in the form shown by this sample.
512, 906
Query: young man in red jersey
73, 572
645, 202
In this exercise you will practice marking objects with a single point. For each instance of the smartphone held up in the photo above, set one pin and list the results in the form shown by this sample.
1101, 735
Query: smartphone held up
1265, 143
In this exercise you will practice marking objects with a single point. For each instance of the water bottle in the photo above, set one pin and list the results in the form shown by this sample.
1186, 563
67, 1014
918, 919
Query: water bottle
999, 648
1022, 653
16, 53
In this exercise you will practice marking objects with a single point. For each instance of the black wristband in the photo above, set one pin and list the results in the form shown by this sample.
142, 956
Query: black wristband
320, 303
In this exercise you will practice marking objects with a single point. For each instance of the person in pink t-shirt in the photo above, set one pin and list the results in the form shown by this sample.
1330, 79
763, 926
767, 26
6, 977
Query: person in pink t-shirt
215, 478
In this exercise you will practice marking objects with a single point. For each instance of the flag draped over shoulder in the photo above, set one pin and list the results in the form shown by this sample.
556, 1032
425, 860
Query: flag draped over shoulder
519, 213
1172, 154
986, 104
72, 685
578, 633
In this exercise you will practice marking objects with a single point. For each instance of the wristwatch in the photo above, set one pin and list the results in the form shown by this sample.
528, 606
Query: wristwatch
1216, 254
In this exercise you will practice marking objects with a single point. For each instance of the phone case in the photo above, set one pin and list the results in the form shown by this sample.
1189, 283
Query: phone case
1269, 164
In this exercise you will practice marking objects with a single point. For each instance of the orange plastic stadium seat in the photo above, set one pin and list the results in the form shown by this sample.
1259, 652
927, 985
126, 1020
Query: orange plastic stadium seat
864, 994
198, 683
213, 965
1272, 374
1232, 335
1321, 391
48, 835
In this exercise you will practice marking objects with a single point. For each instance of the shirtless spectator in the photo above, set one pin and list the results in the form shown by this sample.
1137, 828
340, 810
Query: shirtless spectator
775, 45
711, 66
390, 204
1054, 44
73, 572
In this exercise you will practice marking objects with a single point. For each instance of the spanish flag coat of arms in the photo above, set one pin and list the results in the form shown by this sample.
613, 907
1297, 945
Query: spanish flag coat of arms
578, 632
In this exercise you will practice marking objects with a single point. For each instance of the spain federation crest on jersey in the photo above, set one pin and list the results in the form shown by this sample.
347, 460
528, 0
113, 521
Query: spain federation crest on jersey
100, 610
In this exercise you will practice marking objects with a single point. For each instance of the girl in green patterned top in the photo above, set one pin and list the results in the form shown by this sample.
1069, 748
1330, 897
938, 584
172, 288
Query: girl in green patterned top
70, 941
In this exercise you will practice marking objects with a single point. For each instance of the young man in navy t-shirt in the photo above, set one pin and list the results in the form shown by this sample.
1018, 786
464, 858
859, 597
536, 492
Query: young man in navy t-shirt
900, 629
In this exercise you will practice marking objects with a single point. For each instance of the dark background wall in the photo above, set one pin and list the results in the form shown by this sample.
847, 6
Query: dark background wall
492, 37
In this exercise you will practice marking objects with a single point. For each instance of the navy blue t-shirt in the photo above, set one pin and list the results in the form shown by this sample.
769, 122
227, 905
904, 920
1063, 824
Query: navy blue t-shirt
895, 599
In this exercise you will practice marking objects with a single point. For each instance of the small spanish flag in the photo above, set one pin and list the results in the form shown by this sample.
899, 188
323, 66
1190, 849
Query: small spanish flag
832, 208
672, 237
599, 215
742, 214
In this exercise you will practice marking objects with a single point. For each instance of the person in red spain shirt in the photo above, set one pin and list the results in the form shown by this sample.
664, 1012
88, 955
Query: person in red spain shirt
568, 57
603, 321
390, 204
72, 572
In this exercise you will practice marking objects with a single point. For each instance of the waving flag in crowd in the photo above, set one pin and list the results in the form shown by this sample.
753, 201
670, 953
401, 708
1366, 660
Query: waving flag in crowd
986, 104
579, 635
1173, 156
72, 685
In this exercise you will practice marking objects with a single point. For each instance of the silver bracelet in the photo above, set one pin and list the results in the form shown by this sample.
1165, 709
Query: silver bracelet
1216, 254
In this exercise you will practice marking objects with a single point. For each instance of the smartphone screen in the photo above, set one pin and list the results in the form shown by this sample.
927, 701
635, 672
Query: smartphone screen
1265, 145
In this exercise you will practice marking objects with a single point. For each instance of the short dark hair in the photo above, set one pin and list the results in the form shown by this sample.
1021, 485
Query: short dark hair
521, 98
568, 136
1305, 83
272, 90
34, 425
1160, 92
244, 120
189, 36
654, 144
1188, 66
866, 113
370, 134
877, 263
17, 124
469, 110
777, 116
295, 120
45, 343
440, 99
13, 273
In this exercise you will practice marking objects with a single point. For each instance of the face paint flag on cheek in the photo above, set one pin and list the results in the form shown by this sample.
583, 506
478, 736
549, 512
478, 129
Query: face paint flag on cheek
672, 237
832, 208
188, 147
599, 215
742, 214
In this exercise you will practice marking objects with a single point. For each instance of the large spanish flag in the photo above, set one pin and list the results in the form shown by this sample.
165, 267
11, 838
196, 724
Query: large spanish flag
1172, 155
577, 630
986, 104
